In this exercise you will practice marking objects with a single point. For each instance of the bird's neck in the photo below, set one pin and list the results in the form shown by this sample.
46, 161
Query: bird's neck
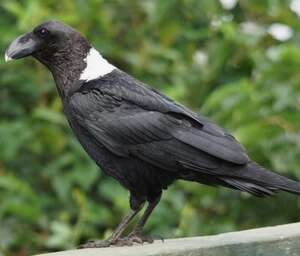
96, 66
80, 65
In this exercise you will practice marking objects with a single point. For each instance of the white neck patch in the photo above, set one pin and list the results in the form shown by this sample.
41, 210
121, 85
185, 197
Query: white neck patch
96, 66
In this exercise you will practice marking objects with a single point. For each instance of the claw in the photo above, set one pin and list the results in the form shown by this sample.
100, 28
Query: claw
138, 237
137, 240
135, 237
95, 244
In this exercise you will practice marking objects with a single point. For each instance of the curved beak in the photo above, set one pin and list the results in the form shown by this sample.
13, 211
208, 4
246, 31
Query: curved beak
22, 46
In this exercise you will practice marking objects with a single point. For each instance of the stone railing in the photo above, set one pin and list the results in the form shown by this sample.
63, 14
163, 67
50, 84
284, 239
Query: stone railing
281, 240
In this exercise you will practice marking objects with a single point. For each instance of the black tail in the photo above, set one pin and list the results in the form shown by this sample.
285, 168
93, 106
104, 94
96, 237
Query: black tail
259, 181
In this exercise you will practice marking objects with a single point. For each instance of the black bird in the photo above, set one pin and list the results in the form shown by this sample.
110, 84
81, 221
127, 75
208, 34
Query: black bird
135, 134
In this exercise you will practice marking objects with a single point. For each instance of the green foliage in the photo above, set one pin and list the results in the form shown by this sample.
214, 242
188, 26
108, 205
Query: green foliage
224, 62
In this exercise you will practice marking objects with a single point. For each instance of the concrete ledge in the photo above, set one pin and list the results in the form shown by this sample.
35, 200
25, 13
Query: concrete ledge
281, 240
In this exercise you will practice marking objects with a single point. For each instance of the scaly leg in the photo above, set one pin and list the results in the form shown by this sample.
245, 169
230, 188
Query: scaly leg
115, 239
137, 236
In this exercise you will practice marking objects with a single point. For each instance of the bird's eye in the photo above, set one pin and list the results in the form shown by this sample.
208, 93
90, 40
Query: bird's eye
43, 32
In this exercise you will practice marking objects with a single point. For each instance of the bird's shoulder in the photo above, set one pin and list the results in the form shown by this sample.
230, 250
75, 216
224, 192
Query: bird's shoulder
121, 103
119, 88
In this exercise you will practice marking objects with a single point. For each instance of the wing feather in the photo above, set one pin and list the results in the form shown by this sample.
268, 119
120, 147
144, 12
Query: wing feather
131, 119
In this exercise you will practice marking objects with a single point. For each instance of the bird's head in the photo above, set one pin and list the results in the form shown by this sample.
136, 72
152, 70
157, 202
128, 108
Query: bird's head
52, 43
66, 53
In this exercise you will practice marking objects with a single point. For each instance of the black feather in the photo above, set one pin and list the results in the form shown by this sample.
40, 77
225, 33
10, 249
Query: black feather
135, 122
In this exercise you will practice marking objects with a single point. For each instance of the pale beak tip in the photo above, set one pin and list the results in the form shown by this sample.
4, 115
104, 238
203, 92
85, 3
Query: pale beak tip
7, 58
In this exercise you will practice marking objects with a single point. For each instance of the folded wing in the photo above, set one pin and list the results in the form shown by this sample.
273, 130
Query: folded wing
134, 120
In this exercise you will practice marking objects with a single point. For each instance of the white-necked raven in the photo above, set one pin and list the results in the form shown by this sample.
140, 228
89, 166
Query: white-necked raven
135, 134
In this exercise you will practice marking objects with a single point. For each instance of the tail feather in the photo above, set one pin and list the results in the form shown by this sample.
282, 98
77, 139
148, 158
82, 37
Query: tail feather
250, 178
251, 188
260, 181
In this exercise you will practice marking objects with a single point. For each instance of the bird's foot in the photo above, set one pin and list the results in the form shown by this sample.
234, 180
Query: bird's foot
96, 244
137, 237
134, 238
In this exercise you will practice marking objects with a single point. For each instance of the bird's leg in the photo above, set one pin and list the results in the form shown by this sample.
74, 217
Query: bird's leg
115, 239
137, 236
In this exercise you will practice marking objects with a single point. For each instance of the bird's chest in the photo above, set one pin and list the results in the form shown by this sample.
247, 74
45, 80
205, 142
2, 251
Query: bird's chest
90, 145
107, 161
